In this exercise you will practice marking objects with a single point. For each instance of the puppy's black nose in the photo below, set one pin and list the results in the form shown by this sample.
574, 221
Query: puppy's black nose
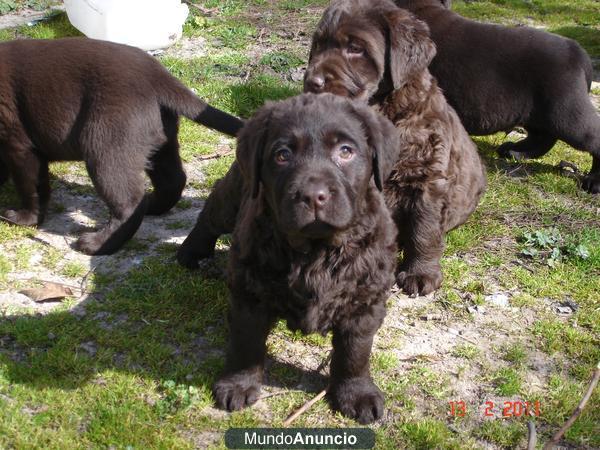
315, 83
315, 195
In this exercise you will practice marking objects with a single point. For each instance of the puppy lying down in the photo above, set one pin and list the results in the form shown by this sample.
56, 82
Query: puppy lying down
110, 105
313, 243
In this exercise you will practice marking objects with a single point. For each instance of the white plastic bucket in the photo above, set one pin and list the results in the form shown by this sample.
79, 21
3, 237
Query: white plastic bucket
147, 24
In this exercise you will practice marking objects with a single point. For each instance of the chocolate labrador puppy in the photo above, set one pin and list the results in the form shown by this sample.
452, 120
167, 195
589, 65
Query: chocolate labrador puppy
374, 51
110, 105
313, 243
499, 77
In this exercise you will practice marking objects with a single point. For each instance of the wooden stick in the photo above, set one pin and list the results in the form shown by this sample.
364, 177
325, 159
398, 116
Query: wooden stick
205, 11
215, 155
532, 439
471, 341
325, 362
559, 434
303, 408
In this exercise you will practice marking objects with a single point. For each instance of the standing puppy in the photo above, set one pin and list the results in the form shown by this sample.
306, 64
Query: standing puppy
498, 77
374, 51
313, 243
110, 105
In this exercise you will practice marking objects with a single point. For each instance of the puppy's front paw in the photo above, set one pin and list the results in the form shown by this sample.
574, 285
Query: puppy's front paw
357, 398
419, 283
22, 217
193, 250
591, 183
234, 392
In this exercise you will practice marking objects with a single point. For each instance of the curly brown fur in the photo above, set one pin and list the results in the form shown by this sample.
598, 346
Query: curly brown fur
438, 178
314, 243
110, 105
499, 77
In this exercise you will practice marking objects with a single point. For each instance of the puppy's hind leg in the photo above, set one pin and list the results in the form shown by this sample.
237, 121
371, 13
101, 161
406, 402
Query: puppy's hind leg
591, 182
30, 175
216, 218
120, 184
584, 134
165, 170
535, 145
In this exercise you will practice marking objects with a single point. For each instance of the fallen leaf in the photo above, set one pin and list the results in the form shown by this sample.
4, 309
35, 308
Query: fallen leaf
48, 292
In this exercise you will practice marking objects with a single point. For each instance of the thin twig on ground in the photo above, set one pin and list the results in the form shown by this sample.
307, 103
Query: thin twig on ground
517, 168
524, 266
532, 438
202, 9
461, 336
303, 408
216, 155
84, 281
559, 434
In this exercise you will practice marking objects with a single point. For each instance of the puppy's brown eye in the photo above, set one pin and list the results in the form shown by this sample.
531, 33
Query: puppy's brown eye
283, 155
346, 152
354, 49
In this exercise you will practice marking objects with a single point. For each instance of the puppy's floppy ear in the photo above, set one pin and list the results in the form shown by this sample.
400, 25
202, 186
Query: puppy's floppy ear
250, 145
383, 140
409, 49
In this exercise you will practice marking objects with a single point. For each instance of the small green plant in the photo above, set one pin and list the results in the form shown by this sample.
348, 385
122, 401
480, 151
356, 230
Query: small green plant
176, 397
466, 351
7, 6
281, 62
507, 382
515, 353
73, 269
551, 247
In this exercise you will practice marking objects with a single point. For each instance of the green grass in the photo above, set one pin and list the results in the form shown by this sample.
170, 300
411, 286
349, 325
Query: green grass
506, 435
467, 351
136, 367
507, 382
8, 6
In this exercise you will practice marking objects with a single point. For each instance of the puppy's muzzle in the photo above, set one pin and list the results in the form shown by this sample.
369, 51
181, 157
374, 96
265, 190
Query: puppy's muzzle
315, 195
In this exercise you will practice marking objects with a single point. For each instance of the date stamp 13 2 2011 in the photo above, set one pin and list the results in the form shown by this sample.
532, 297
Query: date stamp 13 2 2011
513, 408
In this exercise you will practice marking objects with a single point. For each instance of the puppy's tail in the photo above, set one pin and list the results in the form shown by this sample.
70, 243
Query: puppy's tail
183, 101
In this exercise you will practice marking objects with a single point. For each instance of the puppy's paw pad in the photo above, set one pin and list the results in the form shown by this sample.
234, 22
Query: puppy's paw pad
414, 284
236, 392
359, 399
21, 217
591, 183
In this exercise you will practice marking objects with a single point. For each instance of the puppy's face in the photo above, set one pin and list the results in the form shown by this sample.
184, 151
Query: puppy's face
366, 47
312, 159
